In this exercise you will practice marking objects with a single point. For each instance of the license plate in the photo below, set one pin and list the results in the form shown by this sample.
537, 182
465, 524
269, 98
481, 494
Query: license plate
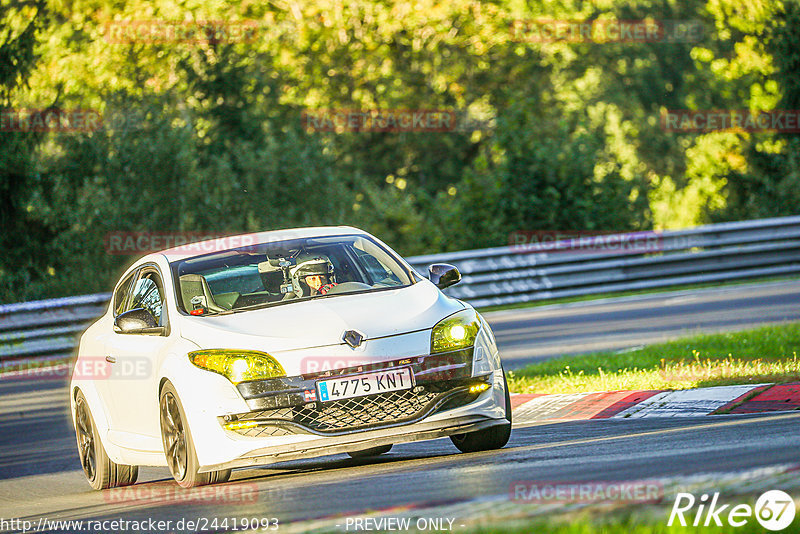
346, 387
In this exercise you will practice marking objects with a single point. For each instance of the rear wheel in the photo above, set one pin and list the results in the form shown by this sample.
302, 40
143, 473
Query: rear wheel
100, 470
374, 451
178, 444
487, 439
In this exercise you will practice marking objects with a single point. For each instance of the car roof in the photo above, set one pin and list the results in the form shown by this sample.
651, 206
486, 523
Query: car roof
229, 242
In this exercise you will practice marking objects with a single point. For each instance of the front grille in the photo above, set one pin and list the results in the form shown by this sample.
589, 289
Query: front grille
359, 413
265, 431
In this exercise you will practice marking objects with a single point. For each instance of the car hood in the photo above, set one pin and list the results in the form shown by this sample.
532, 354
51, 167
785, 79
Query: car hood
322, 322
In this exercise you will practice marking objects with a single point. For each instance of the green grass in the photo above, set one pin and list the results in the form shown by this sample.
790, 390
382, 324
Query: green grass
639, 520
766, 354
615, 294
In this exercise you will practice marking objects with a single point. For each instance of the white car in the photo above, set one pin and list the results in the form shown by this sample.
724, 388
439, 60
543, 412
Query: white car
298, 343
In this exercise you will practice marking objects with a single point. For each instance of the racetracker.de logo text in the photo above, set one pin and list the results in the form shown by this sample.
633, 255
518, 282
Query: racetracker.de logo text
379, 120
543, 491
138, 243
698, 121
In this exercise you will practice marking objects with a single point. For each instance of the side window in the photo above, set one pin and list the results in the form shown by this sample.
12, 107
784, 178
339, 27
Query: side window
148, 293
121, 294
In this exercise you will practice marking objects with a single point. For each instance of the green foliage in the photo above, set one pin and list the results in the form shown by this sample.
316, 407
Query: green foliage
768, 184
784, 45
23, 238
549, 136
558, 174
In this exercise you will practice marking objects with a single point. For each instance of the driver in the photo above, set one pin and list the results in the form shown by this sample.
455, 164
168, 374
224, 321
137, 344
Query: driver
313, 277
319, 283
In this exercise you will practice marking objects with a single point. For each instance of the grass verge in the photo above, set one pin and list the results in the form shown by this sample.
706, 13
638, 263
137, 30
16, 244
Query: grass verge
628, 521
766, 354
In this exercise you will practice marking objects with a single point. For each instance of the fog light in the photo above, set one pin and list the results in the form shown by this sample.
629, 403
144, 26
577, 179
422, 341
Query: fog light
241, 425
479, 388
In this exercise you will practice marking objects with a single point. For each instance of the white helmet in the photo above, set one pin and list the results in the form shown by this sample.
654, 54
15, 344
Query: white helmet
317, 266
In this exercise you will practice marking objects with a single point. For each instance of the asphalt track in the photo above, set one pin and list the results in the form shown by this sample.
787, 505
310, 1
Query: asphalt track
528, 335
40, 475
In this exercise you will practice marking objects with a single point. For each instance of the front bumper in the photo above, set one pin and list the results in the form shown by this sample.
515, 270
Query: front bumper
284, 422
357, 414
354, 442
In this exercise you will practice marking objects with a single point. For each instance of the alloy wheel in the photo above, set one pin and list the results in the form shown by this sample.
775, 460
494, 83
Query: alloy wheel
85, 440
174, 436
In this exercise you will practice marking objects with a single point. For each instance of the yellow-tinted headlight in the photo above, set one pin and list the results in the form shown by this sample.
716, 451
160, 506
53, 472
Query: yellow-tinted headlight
455, 332
238, 365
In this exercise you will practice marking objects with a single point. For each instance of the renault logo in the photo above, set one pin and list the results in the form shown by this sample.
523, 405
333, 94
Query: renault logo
353, 338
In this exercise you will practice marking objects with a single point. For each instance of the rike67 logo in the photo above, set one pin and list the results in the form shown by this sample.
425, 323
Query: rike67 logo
774, 510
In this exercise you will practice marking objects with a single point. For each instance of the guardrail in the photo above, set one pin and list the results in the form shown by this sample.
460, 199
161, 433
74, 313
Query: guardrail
47, 328
712, 253
503, 275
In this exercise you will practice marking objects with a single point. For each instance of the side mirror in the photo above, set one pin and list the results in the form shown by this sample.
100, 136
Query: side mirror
138, 321
443, 275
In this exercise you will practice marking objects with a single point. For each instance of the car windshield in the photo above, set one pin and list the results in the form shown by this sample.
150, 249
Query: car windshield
283, 272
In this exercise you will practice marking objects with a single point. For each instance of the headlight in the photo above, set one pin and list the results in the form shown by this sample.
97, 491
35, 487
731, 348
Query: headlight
455, 332
238, 365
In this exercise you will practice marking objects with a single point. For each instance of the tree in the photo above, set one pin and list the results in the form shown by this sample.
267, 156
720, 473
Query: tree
21, 23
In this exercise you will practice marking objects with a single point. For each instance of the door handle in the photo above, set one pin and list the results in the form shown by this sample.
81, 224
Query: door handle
111, 359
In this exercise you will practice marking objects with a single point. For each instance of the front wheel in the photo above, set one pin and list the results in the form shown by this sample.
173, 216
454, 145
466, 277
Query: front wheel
178, 444
101, 472
487, 439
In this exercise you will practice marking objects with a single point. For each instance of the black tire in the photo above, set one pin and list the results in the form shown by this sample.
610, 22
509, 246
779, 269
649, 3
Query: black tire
101, 472
179, 446
374, 451
487, 439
